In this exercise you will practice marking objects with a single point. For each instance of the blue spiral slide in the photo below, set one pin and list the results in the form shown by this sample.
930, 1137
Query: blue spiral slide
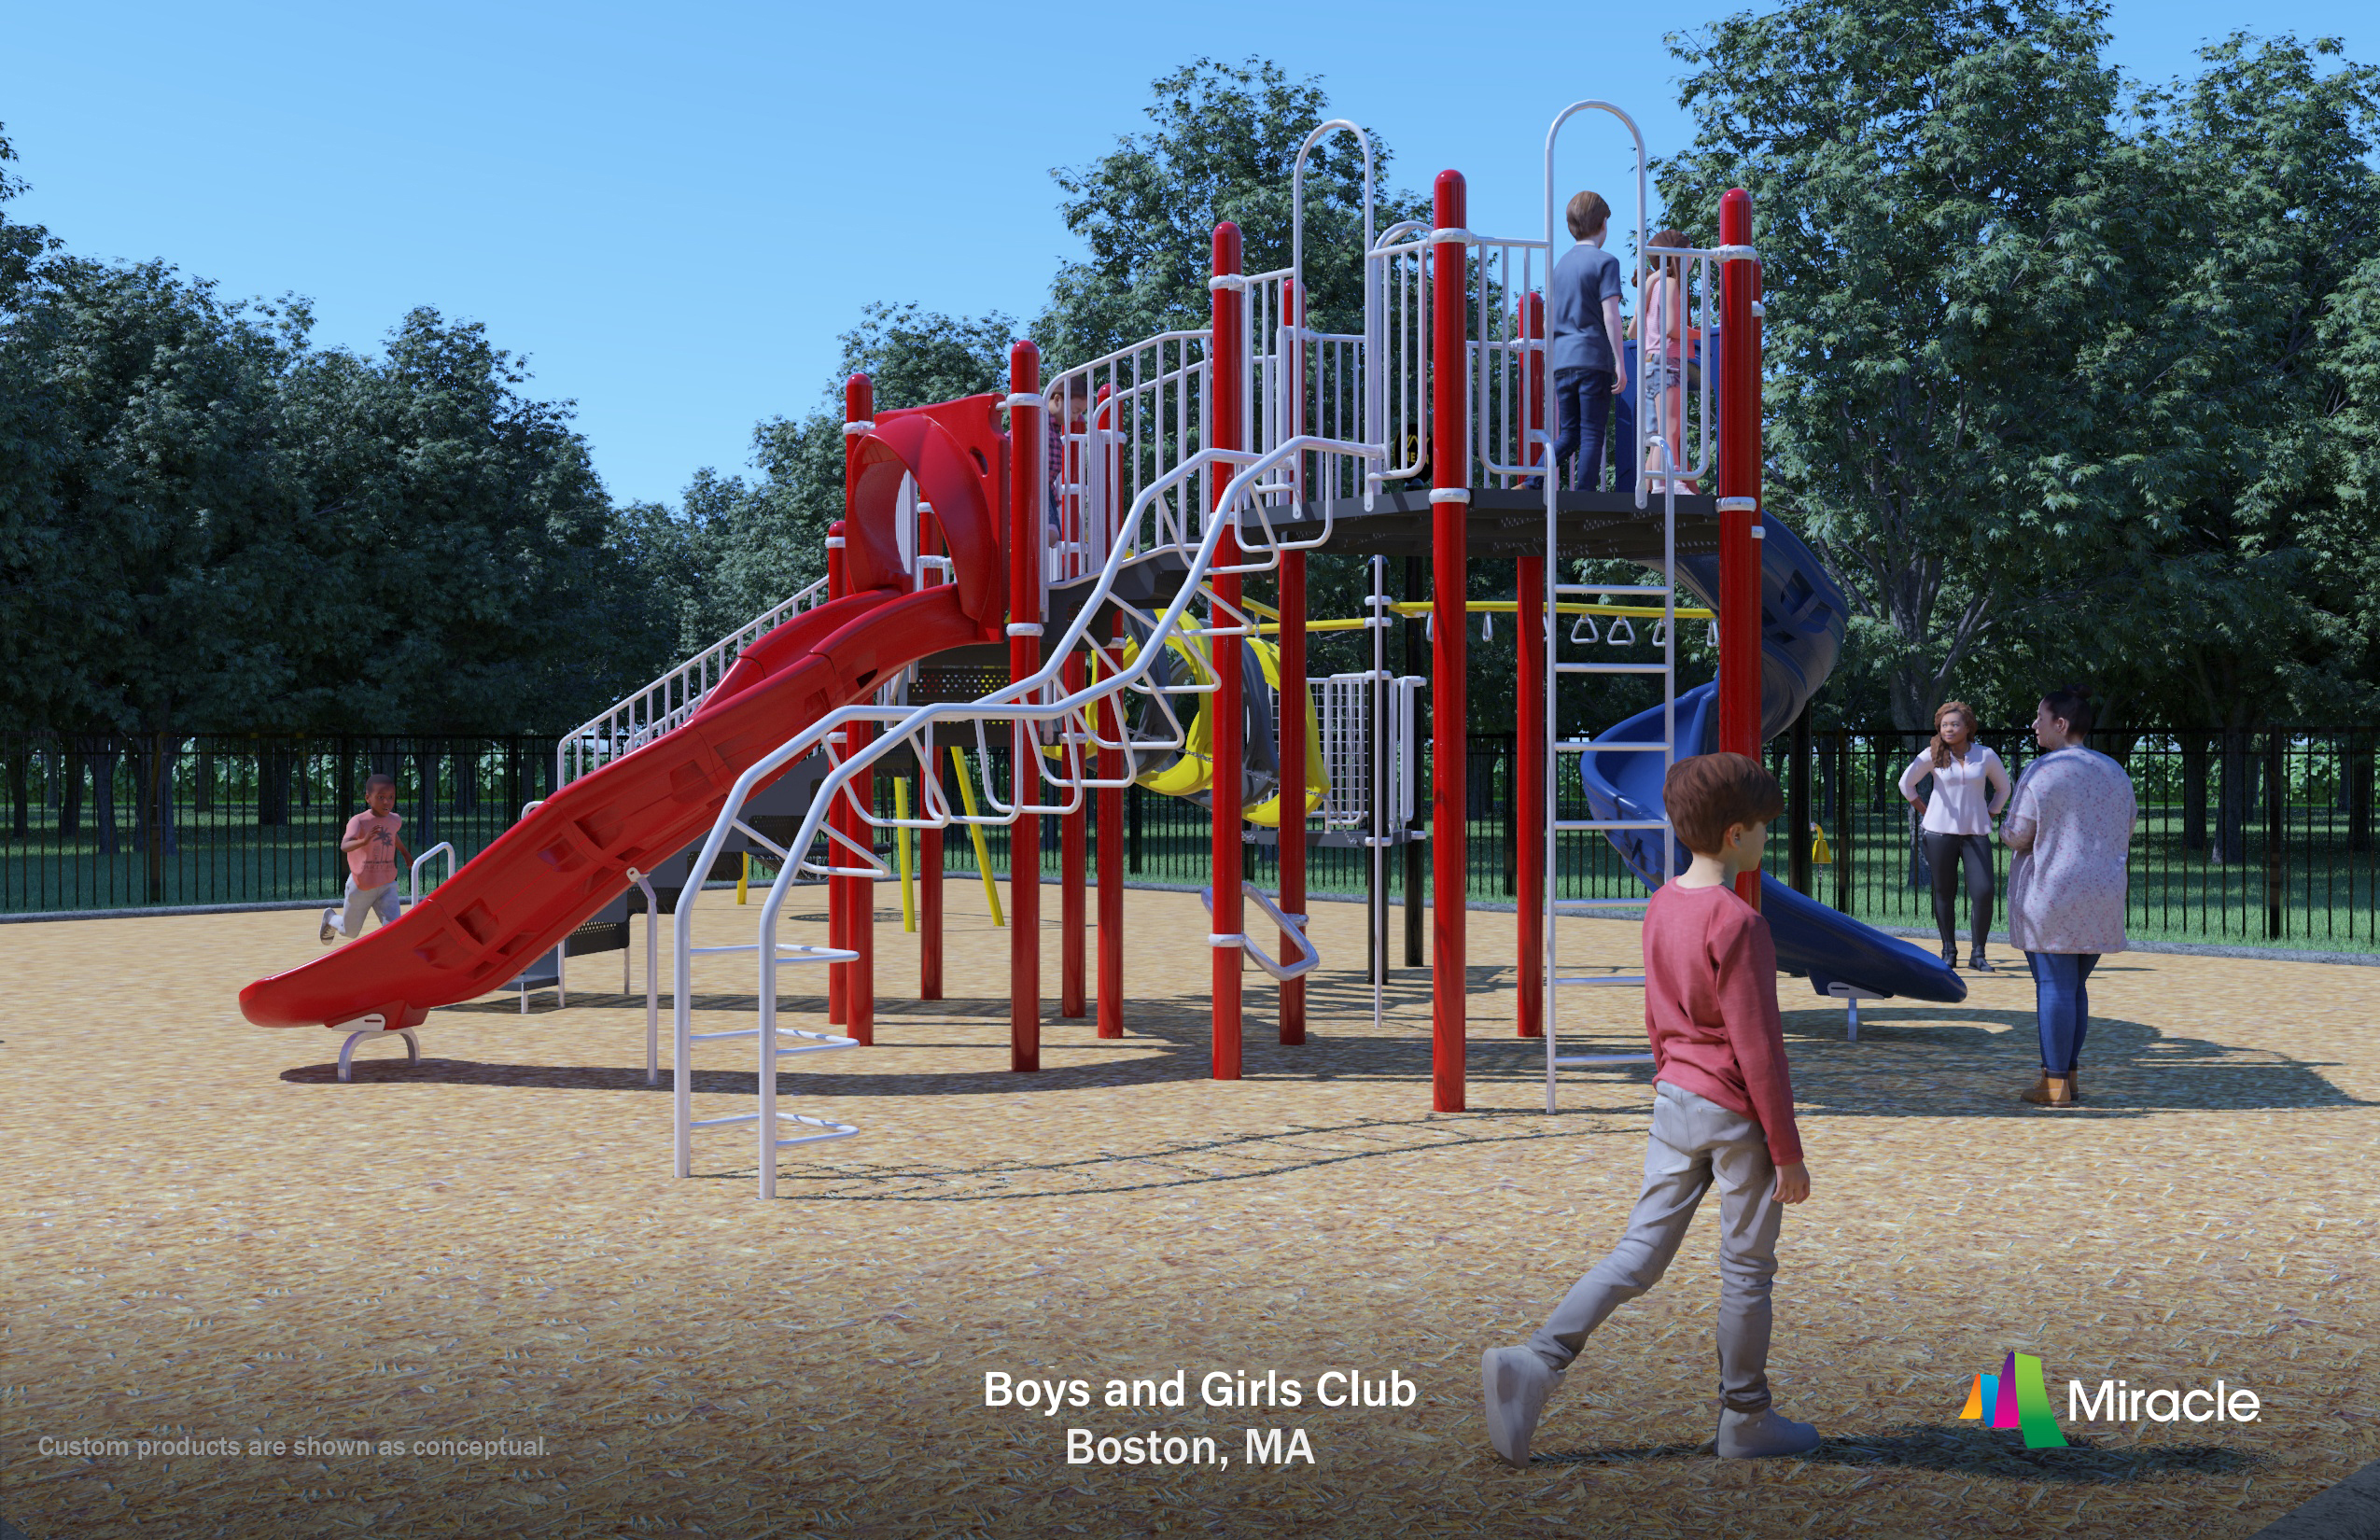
1801, 628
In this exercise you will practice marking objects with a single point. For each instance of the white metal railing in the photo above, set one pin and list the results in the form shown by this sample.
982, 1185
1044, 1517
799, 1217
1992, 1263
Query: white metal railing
1502, 351
1162, 520
413, 877
1397, 293
1344, 723
1119, 425
664, 704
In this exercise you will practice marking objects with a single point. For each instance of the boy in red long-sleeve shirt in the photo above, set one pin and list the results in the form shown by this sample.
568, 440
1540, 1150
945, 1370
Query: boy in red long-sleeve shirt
1722, 1113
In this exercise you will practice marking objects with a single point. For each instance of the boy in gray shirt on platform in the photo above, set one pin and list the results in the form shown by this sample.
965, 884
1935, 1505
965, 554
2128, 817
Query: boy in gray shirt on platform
1583, 294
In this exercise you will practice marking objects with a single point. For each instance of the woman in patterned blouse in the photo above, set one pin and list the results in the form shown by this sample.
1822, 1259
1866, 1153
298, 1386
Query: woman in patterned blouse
2070, 825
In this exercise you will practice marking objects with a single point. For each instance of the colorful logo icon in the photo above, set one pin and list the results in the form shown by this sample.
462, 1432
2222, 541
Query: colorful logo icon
2015, 1398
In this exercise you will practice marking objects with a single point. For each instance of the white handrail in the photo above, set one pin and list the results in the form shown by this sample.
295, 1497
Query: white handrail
414, 892
636, 718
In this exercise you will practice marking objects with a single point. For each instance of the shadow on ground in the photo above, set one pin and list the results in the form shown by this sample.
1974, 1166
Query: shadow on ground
1911, 1061
1969, 1450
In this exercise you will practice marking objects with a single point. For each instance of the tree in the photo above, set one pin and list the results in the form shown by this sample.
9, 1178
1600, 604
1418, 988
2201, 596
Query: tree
149, 551
461, 540
20, 245
1225, 142
1915, 168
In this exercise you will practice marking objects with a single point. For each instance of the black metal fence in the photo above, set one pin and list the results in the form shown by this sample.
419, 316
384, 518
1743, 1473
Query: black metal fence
2261, 838
106, 823
2258, 838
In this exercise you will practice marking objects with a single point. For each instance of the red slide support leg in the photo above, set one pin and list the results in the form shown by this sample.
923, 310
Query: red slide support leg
1026, 485
1449, 553
860, 923
1230, 909
1112, 767
1739, 499
1072, 879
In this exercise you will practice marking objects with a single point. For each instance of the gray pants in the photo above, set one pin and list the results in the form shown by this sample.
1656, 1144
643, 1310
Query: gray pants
381, 900
1695, 1141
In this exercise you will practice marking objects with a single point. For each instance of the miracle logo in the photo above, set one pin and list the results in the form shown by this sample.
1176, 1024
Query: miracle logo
2017, 1397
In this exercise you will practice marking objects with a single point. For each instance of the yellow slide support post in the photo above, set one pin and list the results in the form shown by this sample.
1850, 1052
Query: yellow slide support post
900, 843
975, 833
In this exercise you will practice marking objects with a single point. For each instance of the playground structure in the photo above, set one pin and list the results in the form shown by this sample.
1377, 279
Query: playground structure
1183, 465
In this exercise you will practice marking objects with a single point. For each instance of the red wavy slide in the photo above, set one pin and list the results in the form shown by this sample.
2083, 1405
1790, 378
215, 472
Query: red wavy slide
546, 874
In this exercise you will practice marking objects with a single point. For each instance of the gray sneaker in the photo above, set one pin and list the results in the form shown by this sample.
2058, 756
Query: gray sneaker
1763, 1435
330, 926
1514, 1383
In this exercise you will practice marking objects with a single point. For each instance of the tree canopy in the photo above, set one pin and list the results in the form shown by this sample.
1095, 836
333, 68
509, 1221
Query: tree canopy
2068, 376
2056, 366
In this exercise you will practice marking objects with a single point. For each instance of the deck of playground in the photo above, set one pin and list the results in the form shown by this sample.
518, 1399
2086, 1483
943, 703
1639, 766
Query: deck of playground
211, 1237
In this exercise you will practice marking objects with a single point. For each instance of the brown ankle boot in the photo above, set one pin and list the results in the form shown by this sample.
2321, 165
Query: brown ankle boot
2052, 1091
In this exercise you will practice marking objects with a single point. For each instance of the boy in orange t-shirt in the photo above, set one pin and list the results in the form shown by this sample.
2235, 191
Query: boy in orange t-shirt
372, 850
1722, 1115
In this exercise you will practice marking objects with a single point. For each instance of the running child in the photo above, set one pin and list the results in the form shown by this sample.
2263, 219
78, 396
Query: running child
372, 850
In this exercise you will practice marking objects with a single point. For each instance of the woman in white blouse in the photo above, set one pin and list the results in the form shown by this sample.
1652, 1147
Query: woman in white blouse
1971, 787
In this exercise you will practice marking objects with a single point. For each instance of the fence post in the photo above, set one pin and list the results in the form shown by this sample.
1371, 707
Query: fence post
1797, 803
1842, 823
2359, 779
2276, 805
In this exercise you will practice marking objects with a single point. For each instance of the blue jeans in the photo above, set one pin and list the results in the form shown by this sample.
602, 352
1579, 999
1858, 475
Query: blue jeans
1583, 400
2061, 1002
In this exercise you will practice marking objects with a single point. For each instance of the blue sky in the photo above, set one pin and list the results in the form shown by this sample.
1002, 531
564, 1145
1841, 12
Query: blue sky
672, 210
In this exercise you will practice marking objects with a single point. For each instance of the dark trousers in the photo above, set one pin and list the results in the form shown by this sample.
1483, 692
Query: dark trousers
2061, 1003
1583, 400
1946, 854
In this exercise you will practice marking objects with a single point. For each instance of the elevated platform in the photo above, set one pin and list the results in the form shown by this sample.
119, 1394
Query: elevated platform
1508, 522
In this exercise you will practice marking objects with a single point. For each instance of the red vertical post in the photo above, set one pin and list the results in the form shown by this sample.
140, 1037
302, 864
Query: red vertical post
1290, 719
1450, 560
1112, 766
1529, 762
929, 543
859, 910
1027, 483
1739, 498
1074, 856
1227, 362
838, 889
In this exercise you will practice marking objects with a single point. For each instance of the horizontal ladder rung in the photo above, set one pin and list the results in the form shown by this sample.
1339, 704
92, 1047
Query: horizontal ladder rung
1590, 826
1583, 905
1611, 668
1570, 1060
1611, 748
1655, 591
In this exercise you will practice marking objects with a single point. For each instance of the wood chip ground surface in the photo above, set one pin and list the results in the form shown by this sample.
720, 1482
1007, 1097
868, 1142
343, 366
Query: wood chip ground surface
210, 1238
